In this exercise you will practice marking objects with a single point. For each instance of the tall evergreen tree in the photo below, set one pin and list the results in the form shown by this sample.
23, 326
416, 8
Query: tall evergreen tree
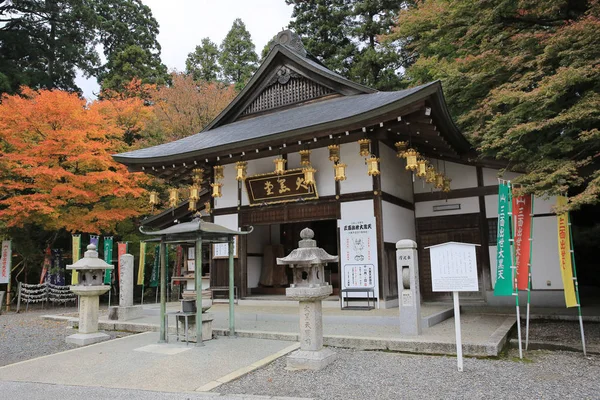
203, 62
522, 80
238, 57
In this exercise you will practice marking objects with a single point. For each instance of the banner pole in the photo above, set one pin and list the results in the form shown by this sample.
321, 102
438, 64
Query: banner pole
572, 250
513, 267
529, 273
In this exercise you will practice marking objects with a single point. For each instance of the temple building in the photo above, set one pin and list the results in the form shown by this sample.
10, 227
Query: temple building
301, 146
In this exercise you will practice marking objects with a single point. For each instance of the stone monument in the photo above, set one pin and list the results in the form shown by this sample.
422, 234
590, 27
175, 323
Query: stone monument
89, 288
126, 310
408, 287
309, 288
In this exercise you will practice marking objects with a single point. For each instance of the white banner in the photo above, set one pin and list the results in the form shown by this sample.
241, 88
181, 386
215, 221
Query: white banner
5, 262
358, 255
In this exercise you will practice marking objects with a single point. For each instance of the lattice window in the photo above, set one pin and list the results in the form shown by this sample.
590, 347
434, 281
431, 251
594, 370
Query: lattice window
294, 90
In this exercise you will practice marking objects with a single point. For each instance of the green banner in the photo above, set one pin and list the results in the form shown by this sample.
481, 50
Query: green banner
155, 267
108, 253
504, 277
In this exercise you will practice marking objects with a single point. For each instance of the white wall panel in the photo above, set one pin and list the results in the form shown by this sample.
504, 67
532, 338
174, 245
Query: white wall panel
398, 223
490, 176
357, 209
357, 179
229, 221
229, 189
468, 205
395, 179
254, 265
319, 159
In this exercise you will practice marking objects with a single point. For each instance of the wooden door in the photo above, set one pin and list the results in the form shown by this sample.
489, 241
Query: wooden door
435, 230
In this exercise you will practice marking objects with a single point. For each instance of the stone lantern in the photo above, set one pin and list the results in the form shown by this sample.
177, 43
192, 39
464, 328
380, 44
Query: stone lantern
309, 288
90, 287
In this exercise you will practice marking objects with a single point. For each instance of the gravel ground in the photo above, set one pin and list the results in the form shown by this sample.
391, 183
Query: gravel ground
26, 335
384, 375
563, 332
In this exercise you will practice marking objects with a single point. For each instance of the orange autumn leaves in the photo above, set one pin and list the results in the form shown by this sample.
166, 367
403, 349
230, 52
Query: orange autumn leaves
56, 168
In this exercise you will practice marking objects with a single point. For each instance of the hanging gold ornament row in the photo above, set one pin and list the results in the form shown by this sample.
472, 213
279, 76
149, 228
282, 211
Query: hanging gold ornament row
241, 168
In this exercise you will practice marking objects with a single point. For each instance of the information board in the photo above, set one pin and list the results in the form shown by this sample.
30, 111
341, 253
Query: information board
221, 250
358, 255
453, 267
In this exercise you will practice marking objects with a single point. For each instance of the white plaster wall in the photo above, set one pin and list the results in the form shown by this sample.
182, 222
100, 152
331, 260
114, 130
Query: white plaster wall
293, 161
229, 188
357, 209
463, 176
398, 223
357, 179
468, 205
490, 176
395, 179
545, 266
319, 159
258, 166
254, 266
229, 221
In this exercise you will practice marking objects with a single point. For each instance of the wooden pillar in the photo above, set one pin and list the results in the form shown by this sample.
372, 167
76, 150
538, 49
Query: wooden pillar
163, 289
231, 290
378, 211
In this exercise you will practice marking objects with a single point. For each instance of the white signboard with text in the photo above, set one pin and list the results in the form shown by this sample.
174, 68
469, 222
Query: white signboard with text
358, 256
453, 267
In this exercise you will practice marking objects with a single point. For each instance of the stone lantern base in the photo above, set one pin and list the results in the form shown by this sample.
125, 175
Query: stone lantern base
310, 359
83, 339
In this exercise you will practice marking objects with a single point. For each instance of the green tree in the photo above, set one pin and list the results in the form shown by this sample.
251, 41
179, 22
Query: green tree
202, 64
238, 58
522, 81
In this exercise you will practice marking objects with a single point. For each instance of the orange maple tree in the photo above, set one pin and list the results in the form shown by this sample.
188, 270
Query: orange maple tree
56, 168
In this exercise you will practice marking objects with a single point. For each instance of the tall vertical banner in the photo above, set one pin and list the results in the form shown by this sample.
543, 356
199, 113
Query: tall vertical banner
564, 254
121, 250
56, 274
76, 241
155, 267
504, 282
178, 263
5, 262
47, 264
522, 229
95, 240
108, 254
140, 279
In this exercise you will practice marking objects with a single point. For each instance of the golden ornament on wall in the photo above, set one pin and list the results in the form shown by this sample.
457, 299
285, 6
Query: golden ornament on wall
373, 166
218, 169
240, 170
334, 152
430, 176
446, 185
340, 171
207, 207
401, 149
197, 176
216, 189
309, 175
194, 192
439, 181
173, 197
279, 165
192, 205
364, 150
305, 157
421, 168
153, 198
411, 160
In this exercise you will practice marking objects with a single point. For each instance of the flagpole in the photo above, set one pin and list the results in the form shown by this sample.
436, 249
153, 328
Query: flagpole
529, 273
572, 250
513, 268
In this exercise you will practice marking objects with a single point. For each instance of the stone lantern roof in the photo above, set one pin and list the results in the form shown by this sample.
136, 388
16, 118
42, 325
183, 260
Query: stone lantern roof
90, 261
307, 252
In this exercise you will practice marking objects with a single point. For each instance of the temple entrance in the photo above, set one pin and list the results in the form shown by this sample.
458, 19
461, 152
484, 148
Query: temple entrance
265, 277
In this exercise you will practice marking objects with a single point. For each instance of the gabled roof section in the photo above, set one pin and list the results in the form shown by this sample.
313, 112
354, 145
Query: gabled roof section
286, 77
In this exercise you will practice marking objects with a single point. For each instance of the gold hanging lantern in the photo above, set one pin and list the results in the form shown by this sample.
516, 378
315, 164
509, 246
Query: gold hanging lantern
401, 149
197, 176
173, 197
340, 171
439, 181
279, 165
334, 152
194, 192
153, 198
216, 189
207, 207
218, 172
373, 166
446, 185
192, 205
240, 168
309, 175
430, 176
364, 147
421, 168
305, 158
411, 160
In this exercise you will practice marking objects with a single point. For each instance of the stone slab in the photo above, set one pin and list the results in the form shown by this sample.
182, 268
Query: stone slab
167, 349
83, 339
311, 360
125, 313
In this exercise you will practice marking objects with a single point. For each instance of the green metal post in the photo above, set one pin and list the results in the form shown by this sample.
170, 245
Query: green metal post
576, 286
198, 280
529, 273
163, 289
514, 267
231, 288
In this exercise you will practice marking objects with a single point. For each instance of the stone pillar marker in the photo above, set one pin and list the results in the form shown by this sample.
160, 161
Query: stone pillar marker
90, 287
408, 287
126, 310
309, 288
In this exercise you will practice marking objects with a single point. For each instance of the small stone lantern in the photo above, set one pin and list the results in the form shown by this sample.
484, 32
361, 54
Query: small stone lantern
309, 288
90, 287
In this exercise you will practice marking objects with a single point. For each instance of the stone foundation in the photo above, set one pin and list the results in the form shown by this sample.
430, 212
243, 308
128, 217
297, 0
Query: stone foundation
125, 313
309, 359
83, 339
